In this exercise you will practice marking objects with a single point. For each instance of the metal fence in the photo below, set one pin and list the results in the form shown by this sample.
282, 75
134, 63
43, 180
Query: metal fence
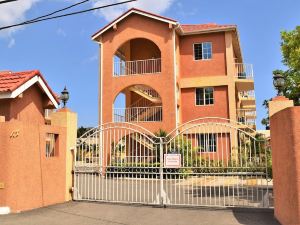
206, 162
127, 68
243, 71
138, 114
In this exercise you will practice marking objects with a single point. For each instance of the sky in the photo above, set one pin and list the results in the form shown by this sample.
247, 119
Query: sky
63, 51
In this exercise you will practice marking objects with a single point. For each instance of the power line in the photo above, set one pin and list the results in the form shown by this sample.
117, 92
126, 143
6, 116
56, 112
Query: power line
57, 11
64, 15
7, 1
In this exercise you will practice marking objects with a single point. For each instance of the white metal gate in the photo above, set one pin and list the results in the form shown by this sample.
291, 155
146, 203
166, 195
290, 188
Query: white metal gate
221, 164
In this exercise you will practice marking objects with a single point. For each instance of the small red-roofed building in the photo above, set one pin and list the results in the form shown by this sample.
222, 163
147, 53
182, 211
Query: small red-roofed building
24, 96
33, 150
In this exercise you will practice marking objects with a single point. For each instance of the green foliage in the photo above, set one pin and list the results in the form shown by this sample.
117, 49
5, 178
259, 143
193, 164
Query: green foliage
290, 48
81, 130
184, 146
161, 133
266, 121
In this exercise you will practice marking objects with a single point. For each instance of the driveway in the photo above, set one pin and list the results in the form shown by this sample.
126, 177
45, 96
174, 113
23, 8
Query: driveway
88, 213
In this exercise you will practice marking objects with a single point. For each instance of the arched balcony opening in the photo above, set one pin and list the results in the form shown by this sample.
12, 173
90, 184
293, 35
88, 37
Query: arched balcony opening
137, 56
137, 103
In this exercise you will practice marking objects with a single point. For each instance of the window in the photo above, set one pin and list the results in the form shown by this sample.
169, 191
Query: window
207, 142
203, 50
204, 96
51, 145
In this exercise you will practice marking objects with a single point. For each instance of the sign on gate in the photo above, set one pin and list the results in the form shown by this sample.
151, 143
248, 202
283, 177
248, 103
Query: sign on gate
172, 160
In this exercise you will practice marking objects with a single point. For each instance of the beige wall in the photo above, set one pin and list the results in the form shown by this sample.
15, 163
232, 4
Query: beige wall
68, 119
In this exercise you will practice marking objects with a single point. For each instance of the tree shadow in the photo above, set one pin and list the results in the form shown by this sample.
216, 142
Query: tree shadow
255, 216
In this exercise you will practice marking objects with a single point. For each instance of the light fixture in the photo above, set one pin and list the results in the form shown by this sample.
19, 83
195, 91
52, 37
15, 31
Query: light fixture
279, 83
64, 97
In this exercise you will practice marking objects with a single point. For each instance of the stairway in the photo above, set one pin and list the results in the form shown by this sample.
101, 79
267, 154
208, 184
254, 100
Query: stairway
147, 93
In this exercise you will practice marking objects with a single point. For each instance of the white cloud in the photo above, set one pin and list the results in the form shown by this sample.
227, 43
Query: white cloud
61, 32
110, 13
11, 43
14, 12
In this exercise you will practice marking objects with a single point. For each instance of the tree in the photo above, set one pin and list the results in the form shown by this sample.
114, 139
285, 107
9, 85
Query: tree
266, 121
81, 130
290, 48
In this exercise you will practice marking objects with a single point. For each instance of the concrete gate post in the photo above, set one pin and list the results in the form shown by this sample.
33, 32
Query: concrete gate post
285, 144
65, 118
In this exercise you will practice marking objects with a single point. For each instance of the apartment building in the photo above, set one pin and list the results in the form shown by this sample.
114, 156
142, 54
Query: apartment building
169, 73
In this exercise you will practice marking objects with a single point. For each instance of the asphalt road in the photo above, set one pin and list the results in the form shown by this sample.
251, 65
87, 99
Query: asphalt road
88, 213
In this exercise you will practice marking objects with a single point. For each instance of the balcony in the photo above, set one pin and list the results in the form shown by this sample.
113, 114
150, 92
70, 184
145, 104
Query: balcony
128, 68
138, 56
244, 76
138, 114
247, 99
246, 116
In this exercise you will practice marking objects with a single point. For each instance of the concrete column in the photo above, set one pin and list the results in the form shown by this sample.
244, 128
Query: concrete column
285, 145
230, 73
279, 103
65, 118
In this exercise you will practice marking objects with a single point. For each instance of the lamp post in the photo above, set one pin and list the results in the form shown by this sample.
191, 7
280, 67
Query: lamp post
278, 82
64, 97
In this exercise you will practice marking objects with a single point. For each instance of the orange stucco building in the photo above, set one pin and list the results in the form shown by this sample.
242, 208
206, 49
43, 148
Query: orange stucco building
170, 73
160, 74
32, 150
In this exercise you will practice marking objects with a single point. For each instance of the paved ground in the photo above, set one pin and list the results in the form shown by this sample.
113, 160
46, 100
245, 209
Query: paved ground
87, 213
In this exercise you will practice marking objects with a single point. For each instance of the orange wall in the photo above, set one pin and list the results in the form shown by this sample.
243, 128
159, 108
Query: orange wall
190, 111
223, 148
285, 145
29, 107
31, 180
149, 50
135, 26
215, 66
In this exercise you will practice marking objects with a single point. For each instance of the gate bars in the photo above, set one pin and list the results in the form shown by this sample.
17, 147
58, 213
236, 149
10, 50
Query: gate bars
221, 165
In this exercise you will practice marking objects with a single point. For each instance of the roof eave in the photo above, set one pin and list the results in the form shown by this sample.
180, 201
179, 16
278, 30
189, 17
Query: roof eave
37, 78
210, 30
124, 15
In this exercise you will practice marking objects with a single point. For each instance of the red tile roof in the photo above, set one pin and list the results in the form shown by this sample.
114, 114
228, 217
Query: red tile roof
10, 81
202, 27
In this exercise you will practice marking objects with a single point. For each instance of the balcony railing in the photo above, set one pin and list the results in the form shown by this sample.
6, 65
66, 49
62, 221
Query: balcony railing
243, 71
127, 68
138, 114
246, 116
247, 94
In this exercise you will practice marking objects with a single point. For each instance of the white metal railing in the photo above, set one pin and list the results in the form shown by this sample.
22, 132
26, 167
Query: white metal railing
147, 66
247, 94
246, 116
135, 159
138, 114
243, 71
